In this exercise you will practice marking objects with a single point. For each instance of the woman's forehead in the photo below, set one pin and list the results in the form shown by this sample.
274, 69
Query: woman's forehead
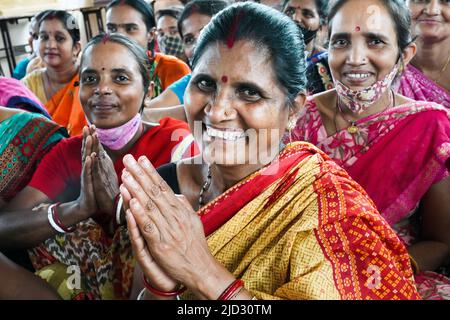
110, 55
53, 23
243, 54
363, 16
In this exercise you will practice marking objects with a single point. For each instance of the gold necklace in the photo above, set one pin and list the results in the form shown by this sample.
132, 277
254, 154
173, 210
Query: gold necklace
205, 187
353, 128
441, 73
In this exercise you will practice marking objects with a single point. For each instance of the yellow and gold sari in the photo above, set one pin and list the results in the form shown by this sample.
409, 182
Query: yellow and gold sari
301, 228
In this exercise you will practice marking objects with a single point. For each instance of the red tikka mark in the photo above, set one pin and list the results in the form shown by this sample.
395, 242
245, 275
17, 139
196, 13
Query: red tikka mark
357, 29
224, 79
232, 35
195, 9
105, 38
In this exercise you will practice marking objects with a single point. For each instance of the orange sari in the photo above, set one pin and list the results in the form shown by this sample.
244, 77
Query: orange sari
301, 228
65, 108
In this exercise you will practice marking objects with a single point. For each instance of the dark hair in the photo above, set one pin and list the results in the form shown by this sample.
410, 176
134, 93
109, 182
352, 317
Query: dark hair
400, 15
34, 23
143, 7
322, 9
69, 22
204, 7
171, 12
133, 47
268, 29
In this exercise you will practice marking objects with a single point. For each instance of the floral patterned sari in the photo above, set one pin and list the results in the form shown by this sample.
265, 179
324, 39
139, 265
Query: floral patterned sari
407, 146
415, 85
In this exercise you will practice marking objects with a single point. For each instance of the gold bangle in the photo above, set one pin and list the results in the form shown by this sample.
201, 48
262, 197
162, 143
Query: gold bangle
414, 265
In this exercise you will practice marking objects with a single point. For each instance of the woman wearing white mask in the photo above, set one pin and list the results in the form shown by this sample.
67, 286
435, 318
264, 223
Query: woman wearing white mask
396, 148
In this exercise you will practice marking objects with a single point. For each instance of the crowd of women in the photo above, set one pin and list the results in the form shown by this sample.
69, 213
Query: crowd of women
286, 149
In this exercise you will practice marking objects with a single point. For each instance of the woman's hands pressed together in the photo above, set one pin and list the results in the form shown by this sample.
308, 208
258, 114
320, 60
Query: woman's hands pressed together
99, 183
86, 200
167, 235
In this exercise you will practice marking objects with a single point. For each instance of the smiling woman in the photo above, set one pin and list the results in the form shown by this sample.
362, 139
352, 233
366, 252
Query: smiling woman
270, 223
368, 129
55, 85
78, 181
427, 78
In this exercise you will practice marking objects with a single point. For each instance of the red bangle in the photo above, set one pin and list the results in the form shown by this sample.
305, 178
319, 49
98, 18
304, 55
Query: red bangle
58, 222
232, 288
162, 293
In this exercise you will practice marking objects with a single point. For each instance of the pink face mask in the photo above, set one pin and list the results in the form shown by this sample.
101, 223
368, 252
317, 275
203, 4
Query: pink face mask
117, 138
358, 101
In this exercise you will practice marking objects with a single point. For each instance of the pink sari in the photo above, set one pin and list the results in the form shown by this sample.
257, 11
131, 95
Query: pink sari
415, 85
396, 156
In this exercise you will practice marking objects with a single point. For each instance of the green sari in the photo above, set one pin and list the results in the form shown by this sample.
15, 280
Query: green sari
24, 139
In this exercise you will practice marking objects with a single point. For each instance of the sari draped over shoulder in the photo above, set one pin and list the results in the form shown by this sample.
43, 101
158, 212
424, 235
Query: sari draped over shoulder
415, 85
300, 228
64, 106
396, 156
24, 139
409, 144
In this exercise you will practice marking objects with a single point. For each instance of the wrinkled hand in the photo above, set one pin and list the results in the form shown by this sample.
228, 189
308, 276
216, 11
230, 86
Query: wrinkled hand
173, 232
106, 184
156, 276
86, 200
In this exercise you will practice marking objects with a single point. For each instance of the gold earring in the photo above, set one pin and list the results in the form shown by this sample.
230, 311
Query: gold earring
290, 126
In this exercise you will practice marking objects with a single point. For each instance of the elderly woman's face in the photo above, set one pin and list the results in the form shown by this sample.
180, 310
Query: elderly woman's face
363, 44
235, 101
430, 19
111, 90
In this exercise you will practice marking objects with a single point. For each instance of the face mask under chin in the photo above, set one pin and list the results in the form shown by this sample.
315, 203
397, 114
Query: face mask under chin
357, 101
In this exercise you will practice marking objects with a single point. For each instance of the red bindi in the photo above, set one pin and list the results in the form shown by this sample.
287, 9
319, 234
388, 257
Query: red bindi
357, 29
105, 38
224, 79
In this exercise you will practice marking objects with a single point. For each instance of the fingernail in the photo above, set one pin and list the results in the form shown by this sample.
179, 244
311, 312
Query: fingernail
144, 161
128, 158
